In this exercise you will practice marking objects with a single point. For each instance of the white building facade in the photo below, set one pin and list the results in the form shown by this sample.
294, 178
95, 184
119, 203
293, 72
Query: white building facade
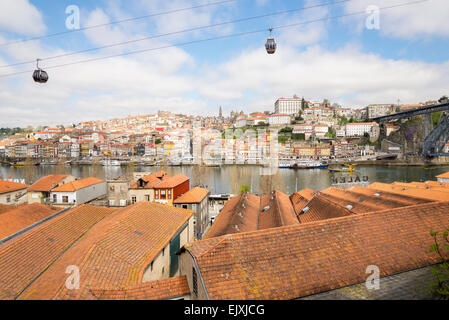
287, 105
359, 129
279, 119
78, 192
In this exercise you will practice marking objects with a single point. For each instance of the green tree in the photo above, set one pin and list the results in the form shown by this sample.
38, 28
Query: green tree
158, 141
443, 99
436, 118
298, 136
244, 188
440, 287
286, 130
304, 104
331, 133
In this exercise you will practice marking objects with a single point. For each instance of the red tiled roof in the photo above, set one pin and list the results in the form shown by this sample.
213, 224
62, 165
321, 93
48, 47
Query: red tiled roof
155, 290
320, 208
435, 195
276, 210
444, 175
23, 216
7, 186
48, 183
25, 257
248, 212
114, 253
78, 185
150, 180
5, 208
296, 261
195, 195
239, 214
171, 182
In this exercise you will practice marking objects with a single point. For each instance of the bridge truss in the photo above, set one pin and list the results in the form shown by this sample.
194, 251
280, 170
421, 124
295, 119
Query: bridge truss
435, 141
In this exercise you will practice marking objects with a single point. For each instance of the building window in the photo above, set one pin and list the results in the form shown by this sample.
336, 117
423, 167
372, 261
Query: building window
163, 252
184, 206
151, 265
65, 199
8, 199
163, 194
156, 194
112, 188
169, 194
55, 199
194, 283
147, 198
133, 199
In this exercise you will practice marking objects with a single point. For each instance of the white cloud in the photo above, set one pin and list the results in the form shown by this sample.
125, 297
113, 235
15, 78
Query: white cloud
20, 16
307, 34
183, 20
172, 79
252, 81
422, 19
348, 76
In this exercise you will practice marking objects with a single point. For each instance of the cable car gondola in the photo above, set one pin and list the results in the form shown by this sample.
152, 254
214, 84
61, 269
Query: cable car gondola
270, 45
39, 75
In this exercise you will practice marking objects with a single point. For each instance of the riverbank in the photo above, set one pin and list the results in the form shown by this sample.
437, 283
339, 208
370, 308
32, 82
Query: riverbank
229, 178
410, 162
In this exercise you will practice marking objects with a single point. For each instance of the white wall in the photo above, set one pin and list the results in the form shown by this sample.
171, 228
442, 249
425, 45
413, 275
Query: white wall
81, 196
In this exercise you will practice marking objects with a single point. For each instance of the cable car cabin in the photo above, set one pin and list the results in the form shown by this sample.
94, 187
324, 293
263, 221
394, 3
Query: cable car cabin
270, 45
40, 76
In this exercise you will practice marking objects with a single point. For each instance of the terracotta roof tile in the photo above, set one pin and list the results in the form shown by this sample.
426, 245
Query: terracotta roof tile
362, 202
279, 211
154, 290
78, 185
195, 195
296, 261
8, 186
171, 182
114, 253
321, 208
150, 180
5, 208
422, 185
248, 212
418, 193
443, 175
239, 214
25, 257
23, 216
437, 184
298, 202
48, 183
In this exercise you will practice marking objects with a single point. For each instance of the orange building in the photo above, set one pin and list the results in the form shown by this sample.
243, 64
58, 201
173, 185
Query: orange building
171, 188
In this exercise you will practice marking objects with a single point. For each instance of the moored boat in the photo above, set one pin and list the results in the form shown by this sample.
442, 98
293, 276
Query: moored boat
110, 163
309, 164
348, 168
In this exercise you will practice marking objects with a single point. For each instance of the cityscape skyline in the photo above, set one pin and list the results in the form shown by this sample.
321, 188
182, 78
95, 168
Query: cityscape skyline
339, 60
242, 150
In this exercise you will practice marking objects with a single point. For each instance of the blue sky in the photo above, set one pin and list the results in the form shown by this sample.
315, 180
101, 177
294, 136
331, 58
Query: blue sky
339, 59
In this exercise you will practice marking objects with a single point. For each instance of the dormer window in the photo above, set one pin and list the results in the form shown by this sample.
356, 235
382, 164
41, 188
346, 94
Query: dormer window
141, 183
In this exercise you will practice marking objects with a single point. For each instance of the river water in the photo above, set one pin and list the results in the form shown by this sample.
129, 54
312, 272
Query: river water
228, 179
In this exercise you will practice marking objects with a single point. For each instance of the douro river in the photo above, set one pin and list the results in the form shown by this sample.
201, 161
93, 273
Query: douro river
228, 179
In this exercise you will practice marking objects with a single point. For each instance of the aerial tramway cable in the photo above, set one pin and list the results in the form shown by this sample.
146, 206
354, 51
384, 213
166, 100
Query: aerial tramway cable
179, 31
214, 38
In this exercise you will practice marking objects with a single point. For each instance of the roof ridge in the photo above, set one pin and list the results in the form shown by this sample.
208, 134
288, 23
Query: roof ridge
335, 203
218, 240
322, 222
